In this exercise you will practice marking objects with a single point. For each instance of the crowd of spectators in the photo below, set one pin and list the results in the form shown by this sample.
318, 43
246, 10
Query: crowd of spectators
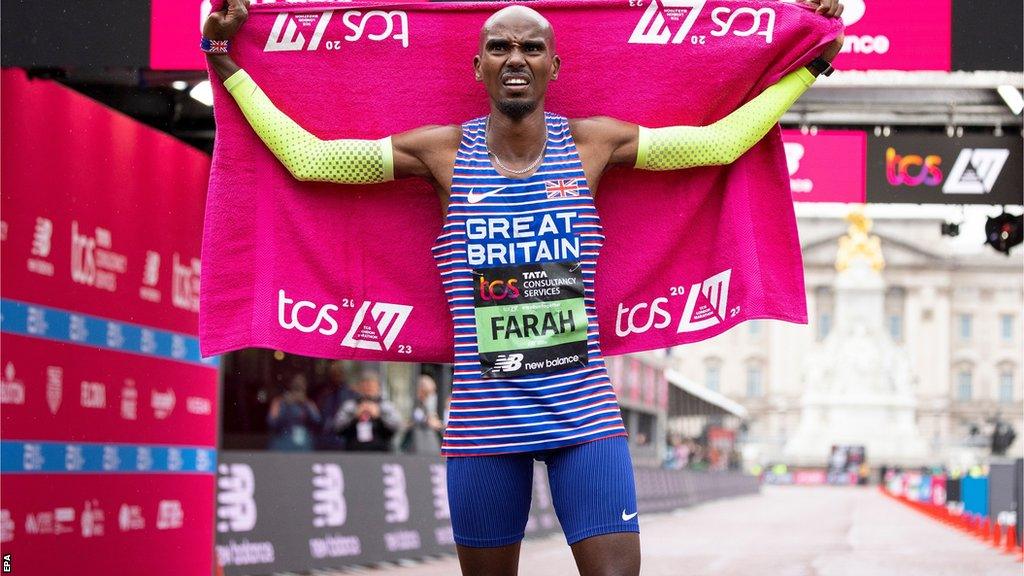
693, 454
356, 418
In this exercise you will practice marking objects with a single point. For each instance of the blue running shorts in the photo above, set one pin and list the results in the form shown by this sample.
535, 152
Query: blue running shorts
592, 490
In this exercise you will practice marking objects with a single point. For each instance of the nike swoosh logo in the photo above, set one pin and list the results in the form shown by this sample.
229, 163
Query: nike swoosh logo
474, 198
627, 517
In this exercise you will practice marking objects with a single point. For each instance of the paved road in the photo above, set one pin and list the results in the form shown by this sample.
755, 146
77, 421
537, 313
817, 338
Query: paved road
786, 531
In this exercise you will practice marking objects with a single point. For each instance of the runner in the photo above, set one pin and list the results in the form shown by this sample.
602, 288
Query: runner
517, 255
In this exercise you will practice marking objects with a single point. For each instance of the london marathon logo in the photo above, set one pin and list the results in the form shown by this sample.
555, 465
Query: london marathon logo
975, 170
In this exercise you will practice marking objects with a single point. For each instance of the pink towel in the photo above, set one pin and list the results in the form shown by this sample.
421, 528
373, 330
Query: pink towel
346, 271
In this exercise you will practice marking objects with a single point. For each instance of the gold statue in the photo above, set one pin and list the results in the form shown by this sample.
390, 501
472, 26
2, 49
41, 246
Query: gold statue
859, 244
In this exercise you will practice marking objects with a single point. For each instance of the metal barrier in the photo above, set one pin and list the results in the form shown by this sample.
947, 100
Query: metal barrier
293, 512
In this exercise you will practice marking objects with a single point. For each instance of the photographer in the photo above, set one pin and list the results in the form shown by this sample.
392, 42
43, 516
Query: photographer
293, 418
367, 423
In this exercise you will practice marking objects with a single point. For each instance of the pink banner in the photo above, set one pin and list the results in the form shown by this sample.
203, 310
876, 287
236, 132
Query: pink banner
916, 37
109, 414
346, 272
828, 166
910, 35
175, 27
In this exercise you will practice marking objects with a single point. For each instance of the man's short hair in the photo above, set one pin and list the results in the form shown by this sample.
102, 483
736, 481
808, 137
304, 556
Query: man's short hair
369, 375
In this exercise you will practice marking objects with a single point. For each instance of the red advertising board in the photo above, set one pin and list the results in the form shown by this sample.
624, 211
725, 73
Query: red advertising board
109, 414
62, 390
108, 524
910, 35
828, 166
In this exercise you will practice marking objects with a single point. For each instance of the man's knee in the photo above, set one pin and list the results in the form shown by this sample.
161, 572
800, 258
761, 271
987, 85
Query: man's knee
616, 554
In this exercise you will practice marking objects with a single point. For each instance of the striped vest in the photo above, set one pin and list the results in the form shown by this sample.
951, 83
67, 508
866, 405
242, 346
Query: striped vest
517, 259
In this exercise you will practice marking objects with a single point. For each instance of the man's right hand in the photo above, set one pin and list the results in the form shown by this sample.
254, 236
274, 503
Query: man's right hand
223, 24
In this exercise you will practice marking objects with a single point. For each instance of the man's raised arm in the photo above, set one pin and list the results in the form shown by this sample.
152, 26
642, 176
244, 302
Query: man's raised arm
720, 143
342, 161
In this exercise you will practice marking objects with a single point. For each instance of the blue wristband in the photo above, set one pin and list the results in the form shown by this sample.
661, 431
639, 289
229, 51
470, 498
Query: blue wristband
214, 46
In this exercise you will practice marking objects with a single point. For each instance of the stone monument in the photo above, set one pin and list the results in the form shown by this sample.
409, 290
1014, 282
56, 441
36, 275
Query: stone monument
857, 382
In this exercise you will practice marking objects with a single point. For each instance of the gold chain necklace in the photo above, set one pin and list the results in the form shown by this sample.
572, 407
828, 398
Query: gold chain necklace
487, 130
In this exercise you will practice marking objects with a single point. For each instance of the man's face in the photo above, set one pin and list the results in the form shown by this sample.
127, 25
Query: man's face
370, 388
516, 60
426, 388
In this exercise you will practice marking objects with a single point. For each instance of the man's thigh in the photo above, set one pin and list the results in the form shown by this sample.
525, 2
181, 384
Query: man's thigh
489, 498
592, 488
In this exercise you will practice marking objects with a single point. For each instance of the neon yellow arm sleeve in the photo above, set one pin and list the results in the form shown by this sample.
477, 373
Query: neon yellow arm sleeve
677, 147
306, 156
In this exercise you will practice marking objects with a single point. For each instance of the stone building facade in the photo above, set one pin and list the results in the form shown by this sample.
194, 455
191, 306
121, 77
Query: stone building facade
958, 315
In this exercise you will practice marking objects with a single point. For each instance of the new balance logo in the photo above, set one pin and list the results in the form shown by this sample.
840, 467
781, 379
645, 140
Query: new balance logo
508, 362
396, 498
329, 508
655, 26
975, 171
701, 313
379, 332
236, 505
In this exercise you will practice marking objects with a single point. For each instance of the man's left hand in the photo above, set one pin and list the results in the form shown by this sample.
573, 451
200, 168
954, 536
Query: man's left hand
829, 8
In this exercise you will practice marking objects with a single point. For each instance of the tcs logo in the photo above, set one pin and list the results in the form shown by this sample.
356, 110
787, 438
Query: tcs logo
290, 315
707, 304
498, 289
912, 169
652, 316
288, 33
767, 29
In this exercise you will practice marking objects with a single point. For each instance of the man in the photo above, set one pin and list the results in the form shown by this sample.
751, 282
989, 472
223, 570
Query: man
424, 428
292, 417
517, 255
330, 400
367, 423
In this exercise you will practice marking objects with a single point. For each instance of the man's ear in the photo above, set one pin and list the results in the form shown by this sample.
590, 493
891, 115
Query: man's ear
476, 67
555, 65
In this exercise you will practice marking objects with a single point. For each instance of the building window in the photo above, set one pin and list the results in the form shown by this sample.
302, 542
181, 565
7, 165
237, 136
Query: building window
824, 303
824, 326
1006, 327
755, 327
755, 389
895, 300
964, 321
964, 385
896, 327
1006, 386
712, 375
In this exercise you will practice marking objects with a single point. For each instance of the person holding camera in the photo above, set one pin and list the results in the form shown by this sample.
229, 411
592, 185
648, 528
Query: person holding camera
368, 423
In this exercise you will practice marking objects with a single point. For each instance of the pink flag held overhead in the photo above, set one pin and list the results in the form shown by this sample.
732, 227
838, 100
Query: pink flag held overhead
346, 271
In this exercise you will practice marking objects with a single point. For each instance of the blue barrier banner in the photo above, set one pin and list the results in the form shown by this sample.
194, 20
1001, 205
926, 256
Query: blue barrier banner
60, 457
74, 328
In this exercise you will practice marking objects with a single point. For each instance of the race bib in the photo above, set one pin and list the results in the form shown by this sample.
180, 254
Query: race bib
530, 319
